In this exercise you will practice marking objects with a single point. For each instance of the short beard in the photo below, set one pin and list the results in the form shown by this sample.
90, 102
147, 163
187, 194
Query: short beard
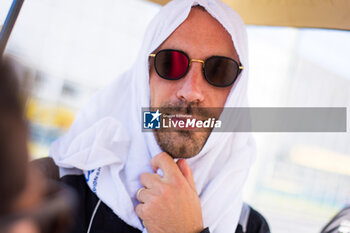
183, 143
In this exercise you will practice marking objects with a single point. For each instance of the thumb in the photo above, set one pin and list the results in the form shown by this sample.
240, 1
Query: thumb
186, 172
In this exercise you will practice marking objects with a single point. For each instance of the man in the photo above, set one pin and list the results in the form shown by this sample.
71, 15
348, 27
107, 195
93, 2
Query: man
194, 55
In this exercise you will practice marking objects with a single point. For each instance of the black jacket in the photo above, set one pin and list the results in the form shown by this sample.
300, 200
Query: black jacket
340, 223
105, 221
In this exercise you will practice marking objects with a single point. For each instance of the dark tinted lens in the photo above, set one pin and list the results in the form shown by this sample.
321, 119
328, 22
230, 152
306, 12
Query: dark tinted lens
221, 71
171, 64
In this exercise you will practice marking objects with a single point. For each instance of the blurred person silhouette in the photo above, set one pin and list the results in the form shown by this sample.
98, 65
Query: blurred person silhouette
29, 203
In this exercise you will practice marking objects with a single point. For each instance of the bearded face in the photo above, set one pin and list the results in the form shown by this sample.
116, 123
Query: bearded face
200, 36
184, 142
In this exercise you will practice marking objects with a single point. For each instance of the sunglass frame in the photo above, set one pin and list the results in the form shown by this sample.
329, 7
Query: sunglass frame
204, 62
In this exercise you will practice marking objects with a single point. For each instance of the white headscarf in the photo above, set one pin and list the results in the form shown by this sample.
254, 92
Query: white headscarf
107, 145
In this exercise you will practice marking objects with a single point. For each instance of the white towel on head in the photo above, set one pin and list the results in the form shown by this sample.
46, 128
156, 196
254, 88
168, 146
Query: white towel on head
107, 145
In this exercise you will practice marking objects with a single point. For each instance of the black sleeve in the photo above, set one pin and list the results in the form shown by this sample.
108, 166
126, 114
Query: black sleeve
104, 221
334, 225
81, 220
257, 223
205, 230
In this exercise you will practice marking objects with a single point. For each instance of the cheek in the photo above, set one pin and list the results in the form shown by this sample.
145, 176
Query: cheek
152, 88
161, 90
225, 94
217, 97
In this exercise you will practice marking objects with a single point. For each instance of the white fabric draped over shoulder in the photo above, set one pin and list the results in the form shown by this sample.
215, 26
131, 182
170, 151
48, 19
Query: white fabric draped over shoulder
107, 145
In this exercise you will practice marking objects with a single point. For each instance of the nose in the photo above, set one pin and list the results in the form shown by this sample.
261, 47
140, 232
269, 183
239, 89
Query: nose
191, 89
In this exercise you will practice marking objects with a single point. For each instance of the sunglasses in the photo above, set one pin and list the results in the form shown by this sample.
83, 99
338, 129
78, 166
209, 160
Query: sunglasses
173, 64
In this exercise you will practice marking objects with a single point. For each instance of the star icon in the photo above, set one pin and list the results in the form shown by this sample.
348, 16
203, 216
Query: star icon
155, 115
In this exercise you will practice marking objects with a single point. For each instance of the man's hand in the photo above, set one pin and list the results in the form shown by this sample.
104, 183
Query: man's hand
169, 203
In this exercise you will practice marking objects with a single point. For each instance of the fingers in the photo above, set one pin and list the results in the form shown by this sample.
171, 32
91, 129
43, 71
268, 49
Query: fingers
150, 183
186, 172
170, 169
166, 164
138, 193
171, 199
139, 210
150, 180
143, 195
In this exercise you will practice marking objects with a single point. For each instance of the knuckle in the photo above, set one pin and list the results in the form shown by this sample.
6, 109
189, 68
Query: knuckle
146, 211
154, 160
161, 156
143, 177
164, 189
139, 210
153, 201
177, 182
143, 211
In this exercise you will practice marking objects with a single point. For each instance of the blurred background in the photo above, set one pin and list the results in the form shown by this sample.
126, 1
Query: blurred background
71, 48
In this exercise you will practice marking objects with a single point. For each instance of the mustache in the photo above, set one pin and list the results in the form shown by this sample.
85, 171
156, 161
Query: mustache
184, 108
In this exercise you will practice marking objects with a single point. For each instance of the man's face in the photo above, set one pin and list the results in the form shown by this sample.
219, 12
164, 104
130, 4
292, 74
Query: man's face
200, 36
